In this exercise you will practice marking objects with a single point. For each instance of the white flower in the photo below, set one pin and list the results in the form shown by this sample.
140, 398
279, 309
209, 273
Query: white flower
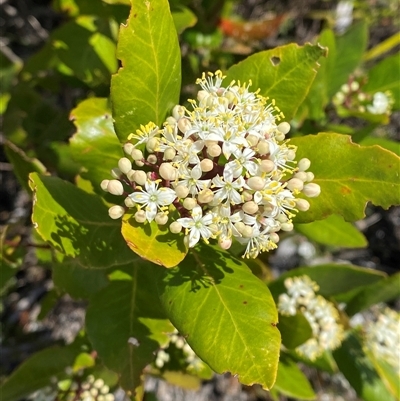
144, 134
153, 198
380, 104
197, 226
244, 160
228, 189
190, 178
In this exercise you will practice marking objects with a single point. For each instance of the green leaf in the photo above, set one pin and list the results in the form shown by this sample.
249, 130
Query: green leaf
183, 18
350, 175
333, 231
225, 313
383, 47
359, 371
153, 242
71, 278
77, 224
381, 291
284, 74
291, 381
95, 145
126, 324
382, 142
350, 49
147, 85
295, 330
85, 47
385, 76
22, 164
37, 372
333, 279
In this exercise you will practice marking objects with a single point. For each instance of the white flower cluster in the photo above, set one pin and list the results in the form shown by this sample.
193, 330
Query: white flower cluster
383, 338
194, 363
225, 166
323, 317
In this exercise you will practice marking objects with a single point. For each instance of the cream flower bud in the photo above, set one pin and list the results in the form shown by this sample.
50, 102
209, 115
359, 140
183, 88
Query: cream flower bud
175, 227
301, 175
178, 111
263, 148
240, 226
140, 216
137, 154
284, 127
282, 218
189, 203
252, 140
225, 243
161, 218
247, 231
354, 86
169, 153
152, 159
250, 207
201, 94
311, 190
310, 176
256, 183
206, 165
116, 211
214, 150
267, 165
184, 124
205, 196
153, 145
116, 173
104, 390
302, 205
291, 154
168, 172
140, 177
115, 187
304, 164
171, 121
129, 202
181, 191
139, 163
98, 383
274, 237
209, 142
124, 164
131, 175
288, 226
104, 185
109, 397
128, 147
295, 184
247, 196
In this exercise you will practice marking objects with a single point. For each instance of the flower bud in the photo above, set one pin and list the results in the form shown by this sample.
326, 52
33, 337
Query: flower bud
189, 203
178, 111
140, 177
131, 175
302, 205
116, 211
184, 124
171, 121
256, 183
205, 196
310, 176
202, 94
311, 190
247, 231
115, 187
206, 165
304, 164
267, 165
247, 196
104, 390
152, 159
301, 175
214, 150
295, 184
153, 145
225, 243
104, 185
168, 172
263, 148
175, 227
274, 237
139, 163
291, 154
129, 202
240, 226
98, 383
140, 216
169, 153
345, 88
124, 164
128, 147
288, 226
284, 127
161, 218
109, 397
181, 191
250, 207
137, 154
282, 218
252, 140
354, 86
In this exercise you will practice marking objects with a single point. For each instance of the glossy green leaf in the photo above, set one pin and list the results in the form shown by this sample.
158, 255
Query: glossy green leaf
333, 231
153, 242
284, 74
85, 46
350, 49
359, 371
383, 47
225, 313
333, 279
95, 145
381, 291
183, 18
126, 324
324, 362
291, 381
349, 175
69, 277
147, 85
37, 372
77, 224
382, 142
295, 330
385, 77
